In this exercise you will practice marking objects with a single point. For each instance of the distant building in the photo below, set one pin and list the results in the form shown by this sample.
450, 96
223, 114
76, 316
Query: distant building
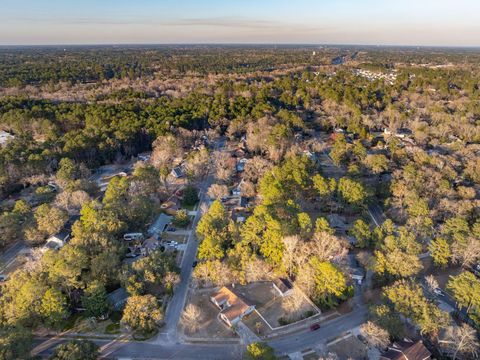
283, 286
406, 350
233, 308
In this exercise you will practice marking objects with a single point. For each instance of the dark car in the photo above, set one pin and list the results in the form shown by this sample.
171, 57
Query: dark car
194, 263
314, 327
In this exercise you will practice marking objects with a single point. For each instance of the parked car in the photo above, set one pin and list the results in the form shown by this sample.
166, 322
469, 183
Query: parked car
195, 263
133, 236
171, 243
171, 229
3, 277
314, 327
438, 292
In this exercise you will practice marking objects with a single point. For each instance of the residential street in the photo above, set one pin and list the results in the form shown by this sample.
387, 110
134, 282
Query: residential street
175, 307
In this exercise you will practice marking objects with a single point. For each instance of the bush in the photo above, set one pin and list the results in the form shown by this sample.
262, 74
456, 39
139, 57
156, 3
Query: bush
190, 196
181, 219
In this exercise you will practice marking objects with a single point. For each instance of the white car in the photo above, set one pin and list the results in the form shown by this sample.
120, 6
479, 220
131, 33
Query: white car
438, 292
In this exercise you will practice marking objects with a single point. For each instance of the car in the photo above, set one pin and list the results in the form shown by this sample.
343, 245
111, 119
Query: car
195, 263
171, 229
314, 327
438, 292
3, 277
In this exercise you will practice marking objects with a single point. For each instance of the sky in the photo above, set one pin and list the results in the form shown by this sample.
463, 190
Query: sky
363, 22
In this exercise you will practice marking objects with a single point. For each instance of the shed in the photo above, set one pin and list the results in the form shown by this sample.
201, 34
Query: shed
283, 286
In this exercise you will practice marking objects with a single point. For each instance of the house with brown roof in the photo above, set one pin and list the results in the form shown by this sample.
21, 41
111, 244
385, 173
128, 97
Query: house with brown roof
232, 307
407, 350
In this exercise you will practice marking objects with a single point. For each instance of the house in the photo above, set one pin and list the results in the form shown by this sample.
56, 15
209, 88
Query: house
178, 172
159, 226
242, 202
406, 350
233, 308
283, 286
118, 298
57, 241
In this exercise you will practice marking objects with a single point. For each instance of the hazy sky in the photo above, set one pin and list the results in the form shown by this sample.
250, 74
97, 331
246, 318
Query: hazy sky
389, 22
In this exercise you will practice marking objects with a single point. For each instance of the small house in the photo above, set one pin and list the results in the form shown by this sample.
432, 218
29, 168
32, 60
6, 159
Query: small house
283, 286
406, 350
56, 242
118, 298
232, 308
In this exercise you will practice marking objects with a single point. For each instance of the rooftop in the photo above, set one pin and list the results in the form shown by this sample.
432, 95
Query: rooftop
237, 306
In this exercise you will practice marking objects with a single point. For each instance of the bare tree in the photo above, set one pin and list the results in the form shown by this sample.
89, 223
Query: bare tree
460, 340
290, 244
192, 317
165, 150
375, 335
327, 246
217, 191
224, 166
466, 254
432, 283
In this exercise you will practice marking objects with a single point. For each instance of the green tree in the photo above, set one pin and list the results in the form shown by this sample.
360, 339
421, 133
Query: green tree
259, 351
50, 219
213, 230
76, 350
54, 308
361, 231
323, 226
408, 299
190, 196
440, 252
352, 192
330, 283
15, 343
465, 288
325, 187
94, 299
181, 219
305, 224
142, 313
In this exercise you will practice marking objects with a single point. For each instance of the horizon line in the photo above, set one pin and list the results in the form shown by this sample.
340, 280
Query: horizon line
241, 44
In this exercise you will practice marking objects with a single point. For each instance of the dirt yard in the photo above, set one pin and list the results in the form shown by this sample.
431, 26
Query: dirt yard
277, 311
205, 323
350, 348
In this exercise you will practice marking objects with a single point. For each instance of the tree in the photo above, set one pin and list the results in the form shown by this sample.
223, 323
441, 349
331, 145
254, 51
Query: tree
440, 252
217, 191
15, 343
54, 307
259, 351
323, 226
388, 319
94, 299
190, 196
352, 192
465, 288
431, 282
460, 340
181, 218
408, 299
50, 219
377, 163
375, 335
142, 313
325, 187
361, 232
329, 282
76, 350
192, 316
213, 230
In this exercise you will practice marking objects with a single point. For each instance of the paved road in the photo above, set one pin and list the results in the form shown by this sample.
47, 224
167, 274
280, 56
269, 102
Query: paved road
175, 306
8, 256
285, 345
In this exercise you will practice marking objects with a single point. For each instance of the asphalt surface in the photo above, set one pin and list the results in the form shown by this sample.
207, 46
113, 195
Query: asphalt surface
8, 256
